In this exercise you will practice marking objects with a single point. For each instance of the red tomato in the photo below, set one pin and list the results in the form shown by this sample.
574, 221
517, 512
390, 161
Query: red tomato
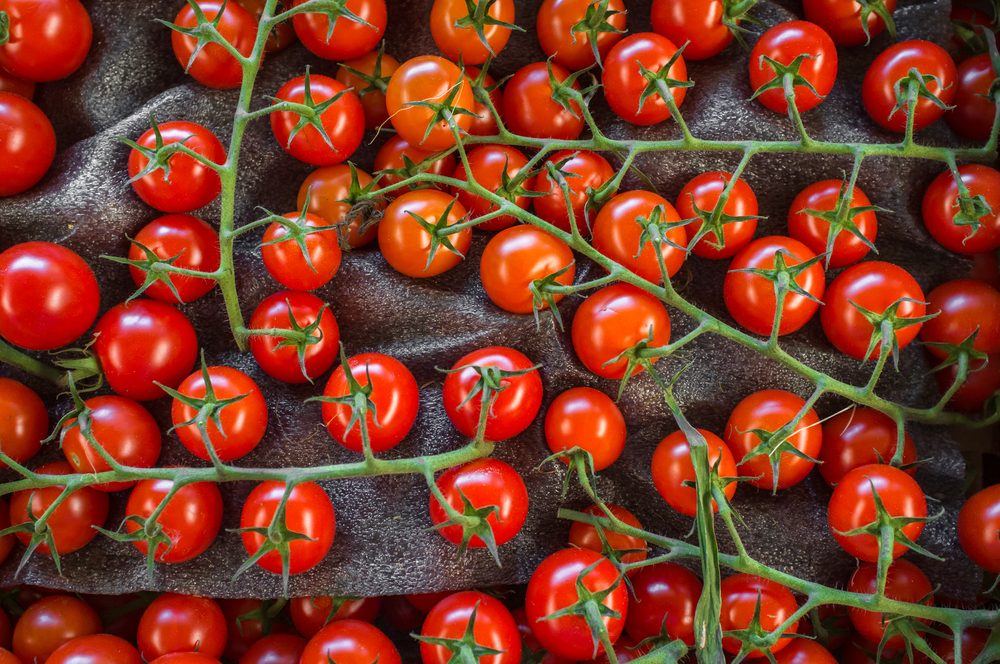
530, 110
282, 35
350, 642
424, 602
343, 121
804, 651
741, 596
485, 123
875, 286
190, 184
845, 247
15, 85
45, 40
672, 468
584, 173
484, 483
286, 262
979, 528
784, 43
553, 587
982, 382
179, 624
308, 512
860, 436
143, 343
517, 257
485, 616
71, 525
282, 361
27, 144
48, 296
393, 393
612, 320
852, 506
243, 422
770, 410
328, 190
894, 63
941, 207
348, 38
189, 522
904, 582
589, 419
751, 299
462, 43
559, 24
428, 78
619, 234
842, 20
624, 82
186, 242
664, 597
95, 649
972, 116
185, 658
973, 642
397, 160
630, 549
24, 421
406, 244
311, 614
697, 23
249, 621
211, 64
490, 164
376, 69
51, 622
126, 431
964, 307
275, 649
702, 192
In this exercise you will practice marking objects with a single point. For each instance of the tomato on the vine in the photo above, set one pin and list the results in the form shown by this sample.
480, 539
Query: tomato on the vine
531, 107
350, 642
311, 614
485, 122
517, 257
189, 184
282, 35
860, 436
842, 19
24, 421
588, 419
945, 219
348, 38
974, 640
251, 620
186, 242
429, 79
294, 310
702, 193
185, 658
45, 41
209, 63
27, 144
562, 26
343, 121
369, 75
672, 470
904, 582
409, 247
190, 520
484, 616
745, 597
326, 192
814, 231
664, 596
894, 64
621, 233
95, 649
584, 172
974, 110
964, 307
979, 528
630, 549
981, 384
175, 623
786, 43
50, 623
697, 23
805, 651
625, 82
492, 166
275, 649
398, 160
459, 40
308, 512
284, 258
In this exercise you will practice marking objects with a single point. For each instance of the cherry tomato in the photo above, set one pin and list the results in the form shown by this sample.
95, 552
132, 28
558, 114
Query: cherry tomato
350, 642
45, 41
485, 123
742, 595
189, 522
397, 160
489, 164
697, 23
560, 35
282, 361
27, 144
804, 651
48, 296
894, 64
190, 184
972, 116
624, 82
979, 528
308, 512
15, 85
770, 410
250, 620
941, 206
208, 63
612, 320
428, 78
814, 232
904, 582
375, 69
751, 299
243, 422
589, 419
852, 506
841, 19
619, 234
553, 587
71, 525
964, 307
981, 384
462, 43
51, 622
491, 626
175, 623
283, 35
328, 190
285, 261
672, 469
860, 436
424, 602
343, 121
875, 286
703, 192
966, 22
513, 407
24, 421
530, 110
517, 257
584, 172
95, 649
143, 343
186, 241
123, 428
275, 649
349, 38
664, 597
973, 642
630, 549
407, 246
784, 43
185, 658
311, 614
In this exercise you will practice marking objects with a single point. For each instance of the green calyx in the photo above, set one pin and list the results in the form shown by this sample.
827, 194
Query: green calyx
596, 22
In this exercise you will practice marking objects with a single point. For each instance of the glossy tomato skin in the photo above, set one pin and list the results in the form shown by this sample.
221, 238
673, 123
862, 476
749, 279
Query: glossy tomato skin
311, 614
192, 243
813, 231
630, 549
484, 483
48, 296
175, 623
574, 50
308, 511
583, 171
143, 343
858, 437
664, 596
275, 649
750, 298
740, 596
434, 79
326, 193
485, 123
350, 39
518, 256
51, 622
697, 23
940, 205
973, 114
27, 144
553, 587
191, 184
282, 362
528, 107
285, 261
350, 642
841, 19
406, 245
489, 163
982, 382
124, 429
618, 234
613, 319
875, 286
493, 627
372, 99
24, 421
624, 83
979, 528
343, 121
804, 651
463, 44
191, 520
672, 468
95, 649
243, 422
904, 582
394, 155
783, 43
394, 392
214, 66
185, 658
47, 40
703, 191
515, 406
852, 506
589, 419
878, 87
963, 307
